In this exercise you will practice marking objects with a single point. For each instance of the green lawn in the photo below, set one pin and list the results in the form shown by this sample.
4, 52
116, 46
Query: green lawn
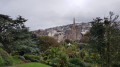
33, 64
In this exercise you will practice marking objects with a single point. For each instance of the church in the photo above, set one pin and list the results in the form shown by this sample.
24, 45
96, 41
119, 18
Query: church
75, 33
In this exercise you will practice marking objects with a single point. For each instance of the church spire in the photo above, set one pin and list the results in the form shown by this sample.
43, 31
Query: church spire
74, 24
73, 21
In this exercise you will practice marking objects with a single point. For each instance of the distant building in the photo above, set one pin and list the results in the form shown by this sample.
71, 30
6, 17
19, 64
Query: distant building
59, 36
51, 32
40, 33
74, 34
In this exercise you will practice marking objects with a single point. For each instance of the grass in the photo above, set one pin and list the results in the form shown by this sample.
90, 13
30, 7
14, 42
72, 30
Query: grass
33, 64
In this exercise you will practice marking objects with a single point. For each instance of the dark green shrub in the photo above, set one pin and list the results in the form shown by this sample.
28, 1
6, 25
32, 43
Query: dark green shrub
6, 57
45, 42
71, 65
61, 60
1, 45
75, 62
1, 61
54, 57
55, 62
117, 64
68, 41
18, 60
88, 59
32, 58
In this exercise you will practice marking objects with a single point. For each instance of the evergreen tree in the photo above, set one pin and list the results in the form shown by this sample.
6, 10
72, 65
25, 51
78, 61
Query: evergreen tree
104, 39
15, 36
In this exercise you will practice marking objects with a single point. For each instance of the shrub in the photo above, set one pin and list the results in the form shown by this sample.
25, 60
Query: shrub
54, 57
75, 62
1, 61
117, 64
88, 59
68, 41
71, 51
32, 58
6, 57
1, 45
45, 42
60, 61
17, 60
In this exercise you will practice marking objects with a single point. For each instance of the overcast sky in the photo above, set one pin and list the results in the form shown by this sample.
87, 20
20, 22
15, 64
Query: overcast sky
43, 14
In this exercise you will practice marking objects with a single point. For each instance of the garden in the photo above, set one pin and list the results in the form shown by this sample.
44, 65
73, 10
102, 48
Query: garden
19, 47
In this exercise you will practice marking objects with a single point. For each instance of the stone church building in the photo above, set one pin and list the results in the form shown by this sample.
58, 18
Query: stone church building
74, 34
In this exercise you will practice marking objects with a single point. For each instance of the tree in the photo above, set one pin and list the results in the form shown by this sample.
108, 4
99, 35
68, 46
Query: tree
45, 42
104, 39
24, 42
15, 36
85, 38
6, 25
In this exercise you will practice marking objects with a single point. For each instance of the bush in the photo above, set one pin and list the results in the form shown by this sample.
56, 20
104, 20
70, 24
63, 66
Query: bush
117, 64
72, 51
68, 41
88, 59
7, 59
17, 60
1, 61
1, 45
75, 62
54, 57
32, 58
45, 42
60, 61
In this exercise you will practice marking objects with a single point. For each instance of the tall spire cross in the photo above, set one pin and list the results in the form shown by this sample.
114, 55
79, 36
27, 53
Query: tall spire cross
74, 21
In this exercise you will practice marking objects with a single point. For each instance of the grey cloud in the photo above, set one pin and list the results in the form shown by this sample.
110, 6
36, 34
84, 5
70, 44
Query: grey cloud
43, 14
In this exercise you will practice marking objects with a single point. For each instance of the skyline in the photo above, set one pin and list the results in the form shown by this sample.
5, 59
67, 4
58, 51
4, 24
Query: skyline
42, 14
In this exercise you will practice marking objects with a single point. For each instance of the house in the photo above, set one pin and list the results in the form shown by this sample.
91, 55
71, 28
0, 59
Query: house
40, 33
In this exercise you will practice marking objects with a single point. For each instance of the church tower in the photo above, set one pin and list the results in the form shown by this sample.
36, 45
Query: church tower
73, 31
73, 27
74, 21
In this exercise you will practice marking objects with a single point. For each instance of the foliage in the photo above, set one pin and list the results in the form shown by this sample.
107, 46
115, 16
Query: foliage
72, 51
24, 42
32, 58
15, 36
60, 61
7, 25
75, 62
68, 41
33, 64
85, 38
53, 56
45, 42
17, 60
104, 39
1, 45
6, 59
1, 61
